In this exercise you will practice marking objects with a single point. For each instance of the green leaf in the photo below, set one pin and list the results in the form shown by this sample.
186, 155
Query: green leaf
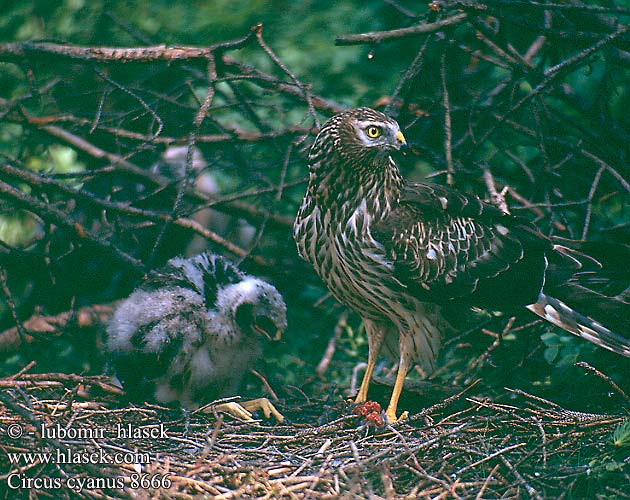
550, 339
551, 353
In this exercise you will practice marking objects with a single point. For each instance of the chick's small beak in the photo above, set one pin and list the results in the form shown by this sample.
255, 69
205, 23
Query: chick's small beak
278, 335
402, 142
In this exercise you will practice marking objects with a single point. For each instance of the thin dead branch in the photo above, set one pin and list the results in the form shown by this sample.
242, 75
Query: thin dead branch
420, 29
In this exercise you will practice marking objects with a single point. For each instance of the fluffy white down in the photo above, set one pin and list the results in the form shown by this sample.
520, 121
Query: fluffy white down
143, 308
172, 344
213, 353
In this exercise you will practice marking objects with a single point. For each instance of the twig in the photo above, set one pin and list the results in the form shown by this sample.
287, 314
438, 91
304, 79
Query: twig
324, 363
267, 81
589, 199
443, 404
576, 7
528, 487
232, 134
401, 9
41, 180
550, 75
624, 183
6, 291
412, 72
283, 67
134, 96
11, 340
490, 457
20, 50
192, 137
484, 486
379, 36
448, 151
497, 198
56, 216
534, 48
265, 383
234, 208
544, 440
605, 378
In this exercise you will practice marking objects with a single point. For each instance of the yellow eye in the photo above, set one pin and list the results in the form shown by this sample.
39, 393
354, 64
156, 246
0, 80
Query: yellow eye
373, 132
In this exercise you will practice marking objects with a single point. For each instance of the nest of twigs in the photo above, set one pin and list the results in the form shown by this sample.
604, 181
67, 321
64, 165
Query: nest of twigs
513, 446
522, 103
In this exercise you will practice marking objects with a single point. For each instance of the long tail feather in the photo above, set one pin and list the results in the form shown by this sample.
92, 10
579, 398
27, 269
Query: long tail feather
558, 313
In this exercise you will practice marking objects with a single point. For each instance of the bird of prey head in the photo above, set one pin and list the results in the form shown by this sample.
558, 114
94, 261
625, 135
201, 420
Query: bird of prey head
255, 306
364, 135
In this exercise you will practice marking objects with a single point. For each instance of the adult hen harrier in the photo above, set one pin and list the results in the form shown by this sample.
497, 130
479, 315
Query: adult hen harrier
394, 251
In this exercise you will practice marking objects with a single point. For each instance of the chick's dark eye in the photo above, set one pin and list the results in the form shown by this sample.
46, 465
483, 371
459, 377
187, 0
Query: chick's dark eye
373, 132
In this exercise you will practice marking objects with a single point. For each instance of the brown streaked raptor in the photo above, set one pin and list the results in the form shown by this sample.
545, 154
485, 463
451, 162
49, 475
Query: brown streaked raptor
396, 251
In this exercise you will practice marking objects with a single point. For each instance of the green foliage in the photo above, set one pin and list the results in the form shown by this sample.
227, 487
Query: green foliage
58, 159
621, 436
612, 463
561, 349
17, 229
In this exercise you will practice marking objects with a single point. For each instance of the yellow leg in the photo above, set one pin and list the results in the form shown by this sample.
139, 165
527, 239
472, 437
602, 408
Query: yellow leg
390, 413
375, 340
365, 383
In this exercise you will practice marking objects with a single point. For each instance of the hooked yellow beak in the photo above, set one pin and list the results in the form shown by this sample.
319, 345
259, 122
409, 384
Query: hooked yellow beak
401, 138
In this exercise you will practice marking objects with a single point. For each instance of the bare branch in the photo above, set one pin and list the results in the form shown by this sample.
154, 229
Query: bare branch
380, 36
39, 327
20, 50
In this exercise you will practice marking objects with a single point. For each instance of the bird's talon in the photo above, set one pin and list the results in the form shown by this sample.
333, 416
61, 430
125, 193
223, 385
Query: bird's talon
266, 406
236, 410
393, 419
